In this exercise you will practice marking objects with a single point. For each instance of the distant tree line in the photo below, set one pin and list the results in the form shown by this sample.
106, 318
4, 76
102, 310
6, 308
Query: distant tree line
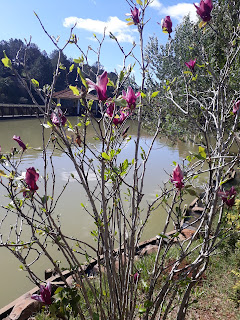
32, 63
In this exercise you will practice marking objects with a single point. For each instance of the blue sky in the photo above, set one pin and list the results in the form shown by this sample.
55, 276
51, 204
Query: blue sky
58, 16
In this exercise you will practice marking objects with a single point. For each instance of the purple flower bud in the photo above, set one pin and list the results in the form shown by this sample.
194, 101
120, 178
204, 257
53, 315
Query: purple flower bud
135, 15
31, 179
20, 142
166, 24
177, 177
110, 109
204, 9
136, 277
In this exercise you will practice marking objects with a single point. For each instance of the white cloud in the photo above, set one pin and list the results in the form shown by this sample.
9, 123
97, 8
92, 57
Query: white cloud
180, 10
155, 4
177, 11
118, 27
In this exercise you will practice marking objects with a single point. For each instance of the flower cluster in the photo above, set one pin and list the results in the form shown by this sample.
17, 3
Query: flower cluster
117, 116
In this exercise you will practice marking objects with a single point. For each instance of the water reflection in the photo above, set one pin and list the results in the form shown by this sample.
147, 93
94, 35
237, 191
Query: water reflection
73, 218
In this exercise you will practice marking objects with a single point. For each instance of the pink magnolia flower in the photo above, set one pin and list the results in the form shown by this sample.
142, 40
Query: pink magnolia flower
119, 120
110, 109
166, 24
135, 15
204, 9
20, 142
228, 196
191, 64
136, 277
58, 117
100, 86
177, 177
31, 179
236, 107
45, 294
130, 97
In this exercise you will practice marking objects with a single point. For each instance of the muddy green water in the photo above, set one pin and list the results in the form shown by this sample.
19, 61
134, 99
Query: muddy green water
73, 218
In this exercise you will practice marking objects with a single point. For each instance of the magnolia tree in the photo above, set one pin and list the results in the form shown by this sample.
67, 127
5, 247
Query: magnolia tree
120, 291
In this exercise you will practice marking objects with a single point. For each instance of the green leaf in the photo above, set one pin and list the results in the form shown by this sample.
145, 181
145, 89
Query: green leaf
59, 289
175, 234
191, 192
2, 173
202, 152
74, 90
139, 2
90, 103
223, 181
120, 102
47, 125
70, 125
175, 163
142, 310
154, 94
6, 61
61, 66
79, 60
105, 156
71, 68
148, 303
194, 78
187, 72
143, 95
202, 24
35, 82
121, 76
82, 78
163, 236
110, 83
95, 316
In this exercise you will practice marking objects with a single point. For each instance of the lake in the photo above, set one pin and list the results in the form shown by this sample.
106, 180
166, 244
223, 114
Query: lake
73, 218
